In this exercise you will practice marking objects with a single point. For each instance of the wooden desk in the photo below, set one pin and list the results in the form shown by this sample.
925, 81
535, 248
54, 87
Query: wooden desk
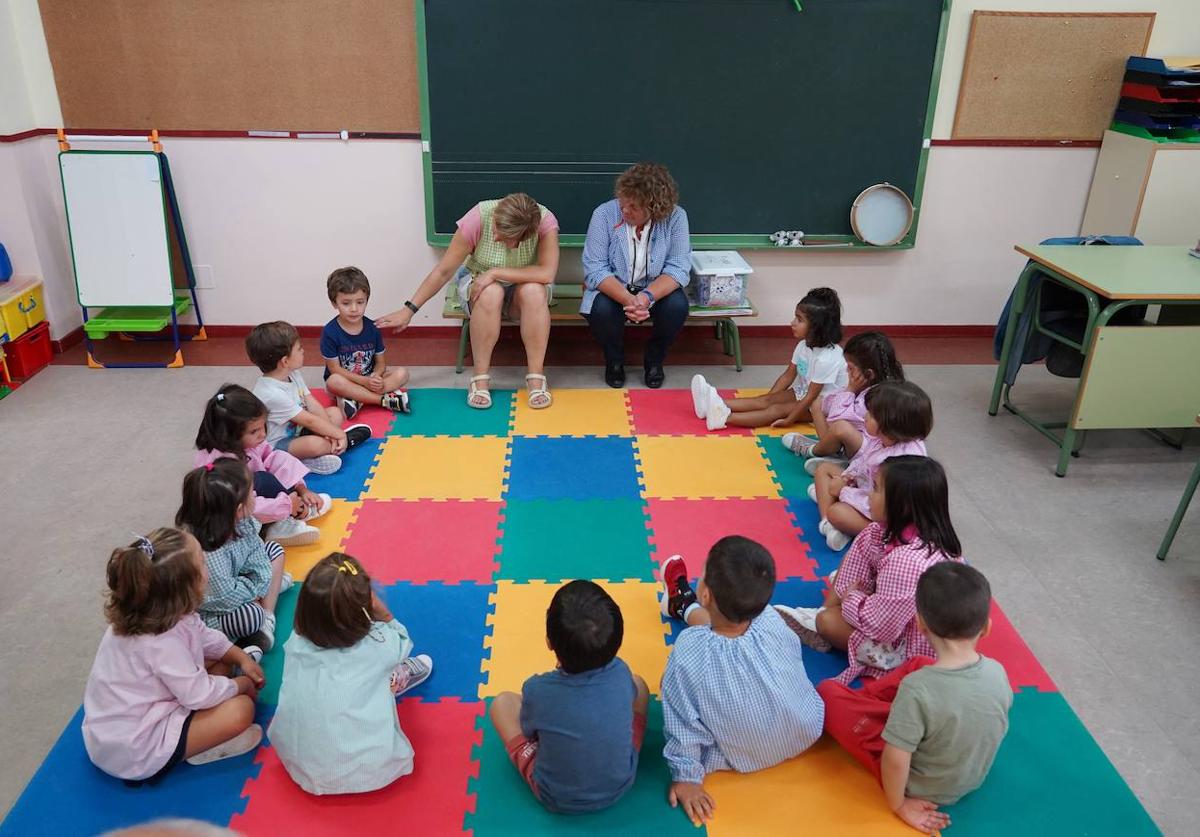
1133, 376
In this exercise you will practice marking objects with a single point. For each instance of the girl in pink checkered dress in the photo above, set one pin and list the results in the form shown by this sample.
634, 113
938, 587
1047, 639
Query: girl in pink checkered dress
870, 610
899, 417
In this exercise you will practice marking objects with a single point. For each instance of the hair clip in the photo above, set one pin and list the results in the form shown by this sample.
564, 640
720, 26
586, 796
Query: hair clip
347, 567
208, 466
220, 396
143, 543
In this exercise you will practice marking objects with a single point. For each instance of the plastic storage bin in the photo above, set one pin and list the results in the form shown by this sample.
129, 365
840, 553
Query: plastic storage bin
30, 353
21, 307
719, 278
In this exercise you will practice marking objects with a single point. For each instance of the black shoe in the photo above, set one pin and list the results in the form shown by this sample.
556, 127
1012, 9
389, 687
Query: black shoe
655, 376
357, 434
614, 376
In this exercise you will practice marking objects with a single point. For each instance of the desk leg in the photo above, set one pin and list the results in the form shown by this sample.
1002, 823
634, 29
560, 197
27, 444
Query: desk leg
1010, 333
736, 339
1184, 502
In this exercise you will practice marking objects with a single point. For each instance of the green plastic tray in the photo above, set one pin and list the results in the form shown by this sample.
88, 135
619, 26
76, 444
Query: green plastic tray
117, 320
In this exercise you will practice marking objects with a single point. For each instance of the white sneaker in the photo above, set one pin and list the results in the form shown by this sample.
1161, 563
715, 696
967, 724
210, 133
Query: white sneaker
806, 616
326, 505
812, 491
700, 396
836, 539
267, 641
286, 581
243, 742
291, 532
717, 414
803, 623
327, 464
412, 672
799, 444
811, 466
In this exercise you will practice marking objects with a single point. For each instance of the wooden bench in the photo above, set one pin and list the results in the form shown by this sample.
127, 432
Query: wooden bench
564, 308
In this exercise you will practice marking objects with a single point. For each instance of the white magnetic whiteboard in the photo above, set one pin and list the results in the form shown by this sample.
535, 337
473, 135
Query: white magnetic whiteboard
117, 221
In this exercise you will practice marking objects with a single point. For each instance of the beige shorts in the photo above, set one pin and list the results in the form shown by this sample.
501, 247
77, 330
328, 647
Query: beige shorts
462, 281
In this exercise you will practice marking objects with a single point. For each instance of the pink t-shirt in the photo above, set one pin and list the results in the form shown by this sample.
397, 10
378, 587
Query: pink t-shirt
142, 688
286, 468
471, 225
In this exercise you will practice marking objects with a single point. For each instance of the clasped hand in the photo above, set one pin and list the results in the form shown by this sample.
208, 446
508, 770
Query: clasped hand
637, 308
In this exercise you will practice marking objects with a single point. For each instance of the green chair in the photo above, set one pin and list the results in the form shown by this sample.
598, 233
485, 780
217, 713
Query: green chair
1184, 502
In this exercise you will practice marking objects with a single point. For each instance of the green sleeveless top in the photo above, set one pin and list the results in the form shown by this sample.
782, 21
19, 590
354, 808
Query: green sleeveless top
490, 253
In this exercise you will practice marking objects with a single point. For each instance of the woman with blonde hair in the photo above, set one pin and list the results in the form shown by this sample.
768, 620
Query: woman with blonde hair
636, 262
503, 259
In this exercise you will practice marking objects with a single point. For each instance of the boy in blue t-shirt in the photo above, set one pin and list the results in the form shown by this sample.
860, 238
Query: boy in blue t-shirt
574, 733
353, 349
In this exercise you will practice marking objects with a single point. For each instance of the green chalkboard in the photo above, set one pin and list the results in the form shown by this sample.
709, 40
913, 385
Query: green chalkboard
768, 117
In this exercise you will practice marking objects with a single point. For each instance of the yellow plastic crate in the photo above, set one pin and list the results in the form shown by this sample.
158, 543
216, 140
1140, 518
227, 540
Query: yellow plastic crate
21, 307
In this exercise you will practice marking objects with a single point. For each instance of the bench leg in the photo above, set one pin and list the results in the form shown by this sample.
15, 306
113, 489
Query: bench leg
731, 330
462, 345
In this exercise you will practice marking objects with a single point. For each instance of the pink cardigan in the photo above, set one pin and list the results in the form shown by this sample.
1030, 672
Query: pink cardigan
142, 688
282, 465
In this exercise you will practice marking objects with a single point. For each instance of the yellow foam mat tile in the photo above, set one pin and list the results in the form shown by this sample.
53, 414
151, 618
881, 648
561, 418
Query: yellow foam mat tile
698, 467
822, 791
806, 429
440, 468
518, 640
576, 412
334, 527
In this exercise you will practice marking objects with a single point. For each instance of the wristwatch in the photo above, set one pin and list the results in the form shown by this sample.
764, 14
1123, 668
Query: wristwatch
409, 305
649, 295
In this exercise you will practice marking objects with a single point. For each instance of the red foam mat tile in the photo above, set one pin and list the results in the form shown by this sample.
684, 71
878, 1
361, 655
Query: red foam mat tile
1004, 644
424, 540
433, 799
691, 527
669, 412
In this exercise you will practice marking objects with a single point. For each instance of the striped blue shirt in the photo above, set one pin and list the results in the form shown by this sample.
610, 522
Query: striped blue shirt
737, 703
606, 251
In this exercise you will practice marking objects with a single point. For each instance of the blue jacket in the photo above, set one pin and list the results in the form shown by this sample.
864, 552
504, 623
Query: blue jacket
606, 250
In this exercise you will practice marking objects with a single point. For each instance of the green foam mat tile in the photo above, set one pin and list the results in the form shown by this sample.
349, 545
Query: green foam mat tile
504, 804
558, 540
1050, 777
444, 412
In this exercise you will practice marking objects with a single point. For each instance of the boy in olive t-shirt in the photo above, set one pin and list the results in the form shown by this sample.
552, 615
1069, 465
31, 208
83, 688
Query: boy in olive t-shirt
929, 730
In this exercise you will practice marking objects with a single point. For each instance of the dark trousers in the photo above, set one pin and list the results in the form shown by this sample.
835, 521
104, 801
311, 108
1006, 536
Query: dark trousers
607, 321
266, 485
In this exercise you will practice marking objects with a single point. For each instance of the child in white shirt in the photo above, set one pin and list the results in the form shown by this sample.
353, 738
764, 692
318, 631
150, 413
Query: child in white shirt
296, 422
817, 370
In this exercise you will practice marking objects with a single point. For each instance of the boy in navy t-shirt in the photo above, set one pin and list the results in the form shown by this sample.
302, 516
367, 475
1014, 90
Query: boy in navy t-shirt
353, 350
574, 733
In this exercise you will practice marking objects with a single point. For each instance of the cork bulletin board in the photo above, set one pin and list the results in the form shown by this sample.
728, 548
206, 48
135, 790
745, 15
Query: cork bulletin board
322, 65
1045, 75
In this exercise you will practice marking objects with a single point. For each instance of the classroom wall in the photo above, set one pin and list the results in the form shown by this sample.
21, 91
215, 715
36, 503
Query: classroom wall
272, 217
1176, 32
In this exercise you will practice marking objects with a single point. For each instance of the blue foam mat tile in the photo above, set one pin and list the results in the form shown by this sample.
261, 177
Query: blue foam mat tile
807, 517
573, 468
350, 481
448, 622
70, 795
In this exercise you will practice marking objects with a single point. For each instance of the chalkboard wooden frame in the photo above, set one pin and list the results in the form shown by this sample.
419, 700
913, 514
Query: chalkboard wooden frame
699, 241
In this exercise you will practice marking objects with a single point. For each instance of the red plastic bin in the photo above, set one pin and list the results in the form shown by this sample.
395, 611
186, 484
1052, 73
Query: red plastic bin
30, 353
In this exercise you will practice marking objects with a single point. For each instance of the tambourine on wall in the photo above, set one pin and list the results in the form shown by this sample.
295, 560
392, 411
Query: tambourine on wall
881, 215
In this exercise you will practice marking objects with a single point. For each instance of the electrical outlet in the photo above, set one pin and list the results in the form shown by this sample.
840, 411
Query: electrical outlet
204, 277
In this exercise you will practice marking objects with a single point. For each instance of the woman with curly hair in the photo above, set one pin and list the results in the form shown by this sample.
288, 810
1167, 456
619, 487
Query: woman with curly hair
503, 259
636, 261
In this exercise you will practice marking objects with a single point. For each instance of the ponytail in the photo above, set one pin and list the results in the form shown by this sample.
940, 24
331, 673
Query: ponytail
226, 416
212, 496
152, 583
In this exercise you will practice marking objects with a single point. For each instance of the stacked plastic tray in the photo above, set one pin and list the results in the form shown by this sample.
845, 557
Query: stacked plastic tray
1159, 102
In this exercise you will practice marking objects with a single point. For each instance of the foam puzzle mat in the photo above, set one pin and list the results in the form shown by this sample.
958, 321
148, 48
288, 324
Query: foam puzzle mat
468, 521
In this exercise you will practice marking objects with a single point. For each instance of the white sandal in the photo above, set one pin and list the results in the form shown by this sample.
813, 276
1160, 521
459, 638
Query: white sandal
474, 392
539, 394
